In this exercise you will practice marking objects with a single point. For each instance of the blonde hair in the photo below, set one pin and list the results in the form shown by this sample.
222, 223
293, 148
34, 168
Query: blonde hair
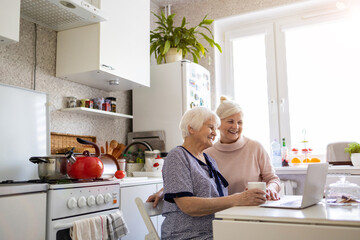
195, 118
227, 108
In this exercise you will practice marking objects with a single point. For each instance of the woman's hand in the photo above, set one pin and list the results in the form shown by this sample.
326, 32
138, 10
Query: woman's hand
156, 197
272, 194
252, 197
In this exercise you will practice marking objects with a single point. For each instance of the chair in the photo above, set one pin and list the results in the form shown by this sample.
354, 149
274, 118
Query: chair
147, 210
336, 155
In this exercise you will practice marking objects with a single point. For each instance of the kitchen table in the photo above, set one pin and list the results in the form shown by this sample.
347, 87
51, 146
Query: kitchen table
316, 222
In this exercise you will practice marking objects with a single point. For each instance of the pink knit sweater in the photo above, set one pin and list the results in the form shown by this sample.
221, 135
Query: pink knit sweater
243, 161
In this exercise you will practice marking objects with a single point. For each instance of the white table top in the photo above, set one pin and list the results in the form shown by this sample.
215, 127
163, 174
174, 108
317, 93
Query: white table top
317, 214
301, 169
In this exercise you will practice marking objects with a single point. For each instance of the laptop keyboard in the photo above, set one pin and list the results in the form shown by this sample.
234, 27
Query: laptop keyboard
292, 203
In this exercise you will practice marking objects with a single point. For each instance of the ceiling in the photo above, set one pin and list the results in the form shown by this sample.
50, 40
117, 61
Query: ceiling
167, 2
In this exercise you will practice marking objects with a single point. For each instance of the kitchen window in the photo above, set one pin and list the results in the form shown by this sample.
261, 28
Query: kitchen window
296, 74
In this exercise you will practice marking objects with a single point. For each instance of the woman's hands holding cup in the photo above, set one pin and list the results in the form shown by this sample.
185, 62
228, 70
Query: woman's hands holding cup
252, 197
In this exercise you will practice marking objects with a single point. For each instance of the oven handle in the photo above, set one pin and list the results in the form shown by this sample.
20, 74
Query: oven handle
63, 225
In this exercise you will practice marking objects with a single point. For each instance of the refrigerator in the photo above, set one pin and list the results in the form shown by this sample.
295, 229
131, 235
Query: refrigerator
174, 88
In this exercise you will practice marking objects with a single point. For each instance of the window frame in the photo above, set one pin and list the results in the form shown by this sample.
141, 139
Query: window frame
273, 22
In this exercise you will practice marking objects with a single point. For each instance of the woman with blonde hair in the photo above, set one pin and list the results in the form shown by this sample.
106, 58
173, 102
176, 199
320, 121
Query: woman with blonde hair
240, 159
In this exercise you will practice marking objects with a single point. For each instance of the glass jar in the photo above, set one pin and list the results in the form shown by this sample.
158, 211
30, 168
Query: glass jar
106, 105
342, 193
112, 103
71, 102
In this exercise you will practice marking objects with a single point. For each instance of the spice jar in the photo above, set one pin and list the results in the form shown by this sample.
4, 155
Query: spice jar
106, 105
112, 103
83, 102
71, 102
89, 103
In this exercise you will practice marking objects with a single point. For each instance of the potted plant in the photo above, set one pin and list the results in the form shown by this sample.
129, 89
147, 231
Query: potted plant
354, 151
181, 40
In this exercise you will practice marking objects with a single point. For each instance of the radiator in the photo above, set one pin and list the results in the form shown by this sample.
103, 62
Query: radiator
287, 187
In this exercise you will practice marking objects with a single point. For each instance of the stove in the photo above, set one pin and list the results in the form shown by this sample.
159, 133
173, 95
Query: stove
77, 200
69, 200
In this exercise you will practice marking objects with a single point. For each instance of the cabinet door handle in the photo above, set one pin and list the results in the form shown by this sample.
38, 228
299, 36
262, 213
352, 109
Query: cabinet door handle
107, 67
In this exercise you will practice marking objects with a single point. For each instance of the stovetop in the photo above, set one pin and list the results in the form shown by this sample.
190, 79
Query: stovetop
63, 183
56, 181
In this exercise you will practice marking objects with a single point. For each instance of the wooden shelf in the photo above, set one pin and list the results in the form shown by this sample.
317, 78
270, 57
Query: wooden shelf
95, 112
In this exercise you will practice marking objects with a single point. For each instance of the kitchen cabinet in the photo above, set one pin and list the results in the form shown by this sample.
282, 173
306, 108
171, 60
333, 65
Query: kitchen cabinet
111, 55
96, 112
134, 221
23, 211
9, 21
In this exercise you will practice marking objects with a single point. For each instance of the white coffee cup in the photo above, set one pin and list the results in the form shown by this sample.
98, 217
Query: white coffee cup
257, 185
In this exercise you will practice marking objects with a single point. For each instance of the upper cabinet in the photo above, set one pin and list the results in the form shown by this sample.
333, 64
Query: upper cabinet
9, 21
111, 55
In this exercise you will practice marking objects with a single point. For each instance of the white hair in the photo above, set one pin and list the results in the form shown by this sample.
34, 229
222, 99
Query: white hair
228, 108
195, 118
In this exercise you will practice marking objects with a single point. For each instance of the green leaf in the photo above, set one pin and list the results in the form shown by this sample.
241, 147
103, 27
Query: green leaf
166, 47
183, 22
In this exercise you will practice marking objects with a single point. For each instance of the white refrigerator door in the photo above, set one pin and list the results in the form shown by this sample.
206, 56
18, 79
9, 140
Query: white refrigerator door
196, 85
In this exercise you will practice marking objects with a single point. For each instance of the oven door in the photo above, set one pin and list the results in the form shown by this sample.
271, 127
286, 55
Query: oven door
60, 229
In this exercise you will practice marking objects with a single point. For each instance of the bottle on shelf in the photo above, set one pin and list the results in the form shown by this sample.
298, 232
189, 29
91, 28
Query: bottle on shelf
140, 157
284, 154
276, 153
130, 157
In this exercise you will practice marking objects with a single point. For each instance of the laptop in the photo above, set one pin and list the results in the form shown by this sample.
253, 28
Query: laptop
313, 190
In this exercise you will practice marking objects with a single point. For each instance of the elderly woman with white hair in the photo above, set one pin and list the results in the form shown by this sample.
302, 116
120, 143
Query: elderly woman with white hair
194, 189
240, 159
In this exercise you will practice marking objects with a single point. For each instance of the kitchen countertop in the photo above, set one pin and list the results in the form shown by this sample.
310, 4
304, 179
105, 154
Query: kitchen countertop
343, 169
133, 181
22, 188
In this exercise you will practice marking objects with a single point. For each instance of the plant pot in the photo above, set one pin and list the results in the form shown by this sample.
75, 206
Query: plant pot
173, 55
355, 159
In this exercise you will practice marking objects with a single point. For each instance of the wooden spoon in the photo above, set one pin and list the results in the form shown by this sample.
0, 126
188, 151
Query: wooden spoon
118, 150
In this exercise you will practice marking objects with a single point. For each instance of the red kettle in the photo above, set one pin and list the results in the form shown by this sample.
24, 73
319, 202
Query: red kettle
85, 166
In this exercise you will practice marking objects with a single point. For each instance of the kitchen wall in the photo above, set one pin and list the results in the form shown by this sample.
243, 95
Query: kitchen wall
195, 10
17, 69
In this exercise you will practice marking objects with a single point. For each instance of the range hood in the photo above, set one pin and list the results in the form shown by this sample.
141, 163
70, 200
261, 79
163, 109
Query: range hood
60, 15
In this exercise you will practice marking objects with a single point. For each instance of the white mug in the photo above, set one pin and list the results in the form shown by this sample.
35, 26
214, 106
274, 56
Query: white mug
258, 185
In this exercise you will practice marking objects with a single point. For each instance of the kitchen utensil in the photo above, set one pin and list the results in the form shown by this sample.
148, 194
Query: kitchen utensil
51, 167
110, 165
114, 144
118, 150
106, 147
86, 166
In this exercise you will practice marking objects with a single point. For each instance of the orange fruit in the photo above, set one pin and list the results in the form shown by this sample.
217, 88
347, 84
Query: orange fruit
295, 160
315, 160
306, 160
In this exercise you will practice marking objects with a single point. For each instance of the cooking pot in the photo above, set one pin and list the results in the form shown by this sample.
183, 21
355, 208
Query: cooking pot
70, 165
51, 167
85, 166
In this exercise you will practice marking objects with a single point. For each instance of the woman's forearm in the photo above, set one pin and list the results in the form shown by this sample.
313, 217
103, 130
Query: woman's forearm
197, 207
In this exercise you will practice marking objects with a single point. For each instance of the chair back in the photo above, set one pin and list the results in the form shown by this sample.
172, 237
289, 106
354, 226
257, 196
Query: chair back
146, 211
335, 153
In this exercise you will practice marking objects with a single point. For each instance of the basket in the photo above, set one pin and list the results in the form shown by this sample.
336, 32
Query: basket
61, 143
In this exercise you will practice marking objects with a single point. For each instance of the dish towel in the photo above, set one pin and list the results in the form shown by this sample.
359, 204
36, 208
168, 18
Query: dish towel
90, 229
117, 227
